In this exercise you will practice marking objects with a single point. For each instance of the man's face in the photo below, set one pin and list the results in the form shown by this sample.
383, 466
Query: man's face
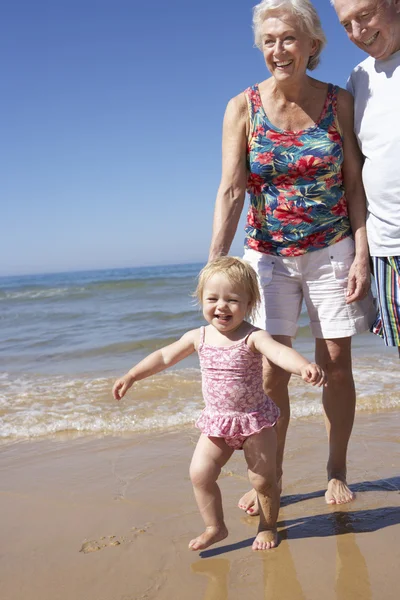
372, 25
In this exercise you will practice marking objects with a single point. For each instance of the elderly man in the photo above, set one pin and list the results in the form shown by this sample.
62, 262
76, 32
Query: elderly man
374, 26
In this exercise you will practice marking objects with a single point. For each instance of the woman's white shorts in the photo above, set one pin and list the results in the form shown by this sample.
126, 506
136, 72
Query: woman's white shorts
320, 279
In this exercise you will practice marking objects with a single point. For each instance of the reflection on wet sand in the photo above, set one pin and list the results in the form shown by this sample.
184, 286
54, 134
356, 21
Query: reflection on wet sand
344, 572
352, 579
281, 580
280, 575
216, 571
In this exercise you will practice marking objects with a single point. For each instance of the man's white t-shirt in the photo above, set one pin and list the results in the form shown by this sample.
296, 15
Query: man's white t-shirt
375, 85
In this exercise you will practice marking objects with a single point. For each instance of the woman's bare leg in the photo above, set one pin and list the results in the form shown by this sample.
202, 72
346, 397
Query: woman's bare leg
260, 453
339, 401
276, 382
210, 455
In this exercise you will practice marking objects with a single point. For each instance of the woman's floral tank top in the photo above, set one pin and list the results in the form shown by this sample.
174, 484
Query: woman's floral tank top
295, 184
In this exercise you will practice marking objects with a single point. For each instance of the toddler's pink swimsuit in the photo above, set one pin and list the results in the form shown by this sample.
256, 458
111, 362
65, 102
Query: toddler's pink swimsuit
236, 405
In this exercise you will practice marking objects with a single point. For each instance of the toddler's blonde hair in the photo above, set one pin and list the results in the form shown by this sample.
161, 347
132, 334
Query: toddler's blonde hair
238, 272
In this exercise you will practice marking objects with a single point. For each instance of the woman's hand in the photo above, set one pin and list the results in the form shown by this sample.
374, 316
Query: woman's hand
122, 385
359, 281
313, 374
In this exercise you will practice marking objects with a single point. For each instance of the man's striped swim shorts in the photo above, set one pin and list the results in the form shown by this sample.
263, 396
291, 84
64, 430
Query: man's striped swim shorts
387, 279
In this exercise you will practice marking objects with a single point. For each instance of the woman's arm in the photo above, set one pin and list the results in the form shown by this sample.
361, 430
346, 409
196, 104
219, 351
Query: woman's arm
232, 188
156, 362
359, 277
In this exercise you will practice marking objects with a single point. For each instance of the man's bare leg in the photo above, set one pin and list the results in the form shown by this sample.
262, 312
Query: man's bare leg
276, 382
339, 400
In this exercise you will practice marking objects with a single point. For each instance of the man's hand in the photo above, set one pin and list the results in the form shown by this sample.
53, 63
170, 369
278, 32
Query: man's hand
359, 281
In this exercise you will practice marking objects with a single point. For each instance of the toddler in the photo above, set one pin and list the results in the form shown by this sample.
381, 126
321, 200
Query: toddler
237, 414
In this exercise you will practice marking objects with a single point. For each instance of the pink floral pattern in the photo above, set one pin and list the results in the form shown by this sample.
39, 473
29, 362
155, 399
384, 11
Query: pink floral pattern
236, 405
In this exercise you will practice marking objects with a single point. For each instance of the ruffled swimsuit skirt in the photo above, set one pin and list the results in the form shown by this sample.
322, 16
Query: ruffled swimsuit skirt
232, 383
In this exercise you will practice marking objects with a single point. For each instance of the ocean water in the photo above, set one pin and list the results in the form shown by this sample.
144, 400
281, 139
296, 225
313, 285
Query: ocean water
66, 337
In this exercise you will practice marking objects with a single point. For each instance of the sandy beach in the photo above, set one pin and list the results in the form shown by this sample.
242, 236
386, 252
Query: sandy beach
109, 518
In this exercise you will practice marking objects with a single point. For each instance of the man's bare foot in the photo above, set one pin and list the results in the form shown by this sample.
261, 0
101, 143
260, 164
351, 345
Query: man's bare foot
249, 502
212, 535
266, 540
338, 492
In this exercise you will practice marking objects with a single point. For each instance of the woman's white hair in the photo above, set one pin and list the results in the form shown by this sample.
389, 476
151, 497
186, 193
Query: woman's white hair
308, 21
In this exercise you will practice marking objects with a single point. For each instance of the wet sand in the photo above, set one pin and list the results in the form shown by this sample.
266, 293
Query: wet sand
110, 519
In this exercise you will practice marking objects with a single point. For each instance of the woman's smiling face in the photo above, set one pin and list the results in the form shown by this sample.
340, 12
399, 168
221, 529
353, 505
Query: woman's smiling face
286, 48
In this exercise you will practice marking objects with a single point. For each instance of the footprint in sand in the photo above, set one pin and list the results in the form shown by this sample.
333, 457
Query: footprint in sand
112, 540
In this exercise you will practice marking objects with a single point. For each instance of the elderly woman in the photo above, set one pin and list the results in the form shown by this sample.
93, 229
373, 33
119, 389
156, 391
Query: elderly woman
289, 143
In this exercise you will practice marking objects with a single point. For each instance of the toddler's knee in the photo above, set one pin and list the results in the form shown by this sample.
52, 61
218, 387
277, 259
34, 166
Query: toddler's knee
203, 475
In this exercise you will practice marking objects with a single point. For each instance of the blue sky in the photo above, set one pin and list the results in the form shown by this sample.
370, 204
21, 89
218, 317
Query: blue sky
111, 126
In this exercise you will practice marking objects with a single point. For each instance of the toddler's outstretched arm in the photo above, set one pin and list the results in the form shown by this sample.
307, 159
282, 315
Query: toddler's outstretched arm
288, 358
156, 362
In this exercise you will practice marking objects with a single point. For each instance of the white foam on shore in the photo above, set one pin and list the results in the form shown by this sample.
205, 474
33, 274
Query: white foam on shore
33, 406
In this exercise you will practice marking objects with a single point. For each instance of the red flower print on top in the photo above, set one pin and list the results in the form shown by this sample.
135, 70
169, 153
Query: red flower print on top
316, 240
290, 214
277, 236
306, 167
331, 159
290, 251
283, 181
340, 209
255, 184
286, 140
255, 99
264, 158
258, 131
262, 246
334, 135
255, 218
295, 182
330, 182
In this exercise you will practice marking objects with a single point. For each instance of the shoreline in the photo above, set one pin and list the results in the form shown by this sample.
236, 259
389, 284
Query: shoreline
110, 518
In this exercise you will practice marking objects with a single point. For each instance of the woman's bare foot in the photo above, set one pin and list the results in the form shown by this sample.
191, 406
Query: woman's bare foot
338, 492
266, 540
249, 502
212, 535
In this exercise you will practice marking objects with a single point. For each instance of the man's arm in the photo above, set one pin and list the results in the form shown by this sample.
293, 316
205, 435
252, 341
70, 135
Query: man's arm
359, 276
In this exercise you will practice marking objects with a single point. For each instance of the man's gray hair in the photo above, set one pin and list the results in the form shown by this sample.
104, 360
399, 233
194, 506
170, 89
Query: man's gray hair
387, 2
308, 17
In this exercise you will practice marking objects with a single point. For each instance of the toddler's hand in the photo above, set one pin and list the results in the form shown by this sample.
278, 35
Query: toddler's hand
313, 374
122, 385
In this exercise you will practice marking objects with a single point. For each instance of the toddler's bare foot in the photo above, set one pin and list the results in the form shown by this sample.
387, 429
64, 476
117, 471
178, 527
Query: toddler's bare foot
338, 492
249, 502
266, 540
212, 535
